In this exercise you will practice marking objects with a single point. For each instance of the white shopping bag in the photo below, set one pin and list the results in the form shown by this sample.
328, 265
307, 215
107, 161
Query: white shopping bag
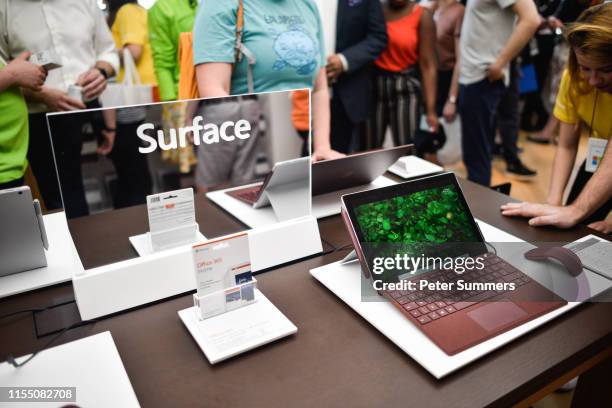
451, 152
130, 91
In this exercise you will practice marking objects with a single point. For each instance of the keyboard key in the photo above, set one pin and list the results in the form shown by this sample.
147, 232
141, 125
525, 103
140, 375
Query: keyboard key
450, 309
434, 315
395, 294
493, 260
440, 303
410, 306
412, 297
432, 307
512, 276
424, 310
403, 300
421, 303
415, 313
523, 280
424, 319
509, 268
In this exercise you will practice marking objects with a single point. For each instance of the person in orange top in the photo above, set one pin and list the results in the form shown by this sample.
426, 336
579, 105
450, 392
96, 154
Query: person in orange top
397, 88
300, 117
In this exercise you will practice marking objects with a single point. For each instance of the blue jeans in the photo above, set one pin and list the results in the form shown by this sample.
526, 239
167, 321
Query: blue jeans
478, 103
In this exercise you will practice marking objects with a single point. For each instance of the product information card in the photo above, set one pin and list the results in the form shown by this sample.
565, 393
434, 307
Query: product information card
222, 264
170, 211
223, 274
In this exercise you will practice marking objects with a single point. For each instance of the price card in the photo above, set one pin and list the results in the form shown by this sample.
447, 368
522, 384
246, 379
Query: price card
171, 211
222, 264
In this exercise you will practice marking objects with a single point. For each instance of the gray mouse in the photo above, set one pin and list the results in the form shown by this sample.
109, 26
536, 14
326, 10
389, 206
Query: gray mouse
566, 257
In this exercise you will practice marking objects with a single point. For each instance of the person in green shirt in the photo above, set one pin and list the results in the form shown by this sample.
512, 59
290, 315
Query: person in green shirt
15, 75
167, 20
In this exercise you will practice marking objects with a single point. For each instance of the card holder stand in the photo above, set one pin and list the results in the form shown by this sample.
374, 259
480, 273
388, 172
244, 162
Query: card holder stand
226, 300
153, 242
170, 238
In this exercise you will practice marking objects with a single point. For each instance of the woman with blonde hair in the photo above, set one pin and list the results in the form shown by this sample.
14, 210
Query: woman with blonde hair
584, 102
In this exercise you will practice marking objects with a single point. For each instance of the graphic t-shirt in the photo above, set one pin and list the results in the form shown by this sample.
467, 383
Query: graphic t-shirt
13, 133
284, 35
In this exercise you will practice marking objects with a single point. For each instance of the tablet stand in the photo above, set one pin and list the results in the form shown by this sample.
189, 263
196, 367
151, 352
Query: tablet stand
350, 257
289, 200
226, 300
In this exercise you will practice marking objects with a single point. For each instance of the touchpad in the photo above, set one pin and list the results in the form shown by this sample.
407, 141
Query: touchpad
492, 315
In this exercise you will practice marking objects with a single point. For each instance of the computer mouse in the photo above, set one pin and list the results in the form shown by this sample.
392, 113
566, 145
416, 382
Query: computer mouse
568, 259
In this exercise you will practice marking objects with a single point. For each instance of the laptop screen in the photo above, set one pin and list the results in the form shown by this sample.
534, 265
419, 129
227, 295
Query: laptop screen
423, 217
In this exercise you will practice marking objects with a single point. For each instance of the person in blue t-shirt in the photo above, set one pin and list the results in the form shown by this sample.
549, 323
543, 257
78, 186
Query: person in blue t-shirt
285, 40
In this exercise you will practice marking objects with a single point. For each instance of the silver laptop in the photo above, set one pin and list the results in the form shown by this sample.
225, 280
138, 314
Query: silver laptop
22, 233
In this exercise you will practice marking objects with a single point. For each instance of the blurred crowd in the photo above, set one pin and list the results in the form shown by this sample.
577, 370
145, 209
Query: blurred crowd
381, 73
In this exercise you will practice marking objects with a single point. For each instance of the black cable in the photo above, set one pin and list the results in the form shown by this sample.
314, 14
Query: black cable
38, 310
21, 311
14, 362
344, 247
492, 246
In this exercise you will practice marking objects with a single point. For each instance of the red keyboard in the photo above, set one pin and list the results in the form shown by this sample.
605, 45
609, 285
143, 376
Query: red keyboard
248, 195
426, 305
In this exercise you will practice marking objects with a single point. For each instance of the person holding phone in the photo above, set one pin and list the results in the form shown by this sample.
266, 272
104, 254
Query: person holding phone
76, 33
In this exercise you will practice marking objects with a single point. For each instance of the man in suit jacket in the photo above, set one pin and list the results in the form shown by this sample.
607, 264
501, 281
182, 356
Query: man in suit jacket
361, 35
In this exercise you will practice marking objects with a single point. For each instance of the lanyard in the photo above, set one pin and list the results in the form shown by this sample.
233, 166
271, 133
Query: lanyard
593, 114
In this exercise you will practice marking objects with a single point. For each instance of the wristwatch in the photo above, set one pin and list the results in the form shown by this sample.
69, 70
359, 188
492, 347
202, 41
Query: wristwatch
103, 72
452, 99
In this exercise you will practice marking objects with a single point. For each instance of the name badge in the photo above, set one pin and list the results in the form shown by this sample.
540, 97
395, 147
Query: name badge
595, 152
